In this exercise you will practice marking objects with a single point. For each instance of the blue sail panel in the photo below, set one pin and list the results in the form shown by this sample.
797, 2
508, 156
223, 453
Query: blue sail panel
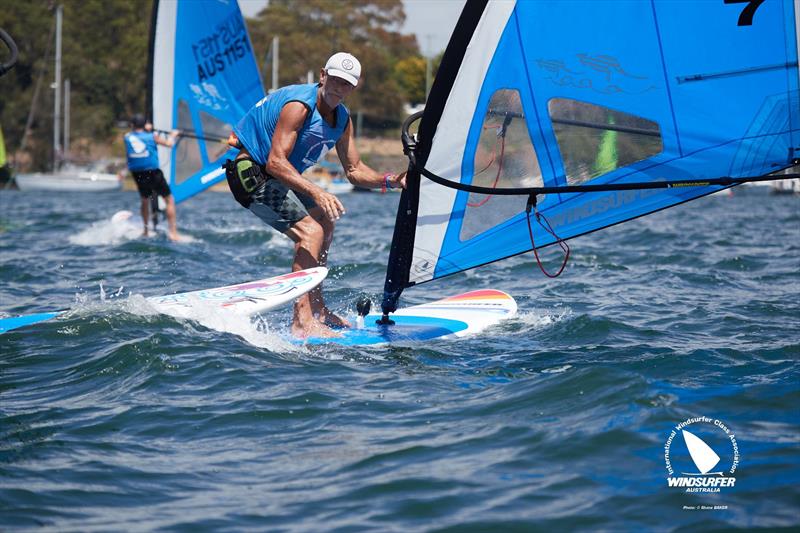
204, 79
555, 94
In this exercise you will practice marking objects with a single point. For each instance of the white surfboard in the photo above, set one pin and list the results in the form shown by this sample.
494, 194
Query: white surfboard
242, 299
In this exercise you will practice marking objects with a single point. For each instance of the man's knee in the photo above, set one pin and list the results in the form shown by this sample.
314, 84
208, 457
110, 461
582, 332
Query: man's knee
307, 229
322, 219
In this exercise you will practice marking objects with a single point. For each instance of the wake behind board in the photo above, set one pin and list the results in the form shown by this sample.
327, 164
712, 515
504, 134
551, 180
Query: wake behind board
456, 316
243, 299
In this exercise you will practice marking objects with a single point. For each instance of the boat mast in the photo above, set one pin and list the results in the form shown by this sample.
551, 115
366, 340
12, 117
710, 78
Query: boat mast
66, 118
275, 58
57, 86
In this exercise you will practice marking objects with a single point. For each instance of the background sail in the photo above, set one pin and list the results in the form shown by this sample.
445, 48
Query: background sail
528, 91
204, 79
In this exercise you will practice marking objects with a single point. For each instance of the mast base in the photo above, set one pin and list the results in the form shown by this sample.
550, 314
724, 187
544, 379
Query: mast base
385, 321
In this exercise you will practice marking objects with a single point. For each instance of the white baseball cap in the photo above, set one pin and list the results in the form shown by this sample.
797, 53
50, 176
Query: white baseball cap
345, 66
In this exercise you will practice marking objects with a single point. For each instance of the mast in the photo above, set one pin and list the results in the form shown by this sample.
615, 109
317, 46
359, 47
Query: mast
275, 51
67, 95
57, 97
797, 31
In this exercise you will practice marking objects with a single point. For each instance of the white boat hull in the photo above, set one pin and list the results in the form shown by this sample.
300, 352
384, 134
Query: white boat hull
80, 181
337, 186
787, 186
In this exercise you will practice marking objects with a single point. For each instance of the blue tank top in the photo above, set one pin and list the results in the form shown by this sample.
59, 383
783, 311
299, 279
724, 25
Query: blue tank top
314, 139
141, 150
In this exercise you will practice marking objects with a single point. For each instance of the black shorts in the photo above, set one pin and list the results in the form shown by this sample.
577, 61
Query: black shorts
149, 181
279, 206
268, 199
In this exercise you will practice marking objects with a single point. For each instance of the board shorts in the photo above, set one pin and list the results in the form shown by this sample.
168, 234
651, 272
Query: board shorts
149, 181
265, 196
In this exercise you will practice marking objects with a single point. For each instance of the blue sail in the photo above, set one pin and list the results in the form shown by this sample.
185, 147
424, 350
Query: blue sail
528, 92
203, 79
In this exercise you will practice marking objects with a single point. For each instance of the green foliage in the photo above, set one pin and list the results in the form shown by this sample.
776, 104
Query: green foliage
410, 75
104, 55
30, 25
312, 30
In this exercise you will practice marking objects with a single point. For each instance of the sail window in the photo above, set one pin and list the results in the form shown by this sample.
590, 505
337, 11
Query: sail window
504, 158
187, 155
595, 140
215, 130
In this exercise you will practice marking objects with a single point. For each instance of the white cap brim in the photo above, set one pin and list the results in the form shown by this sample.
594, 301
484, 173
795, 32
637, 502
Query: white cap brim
349, 78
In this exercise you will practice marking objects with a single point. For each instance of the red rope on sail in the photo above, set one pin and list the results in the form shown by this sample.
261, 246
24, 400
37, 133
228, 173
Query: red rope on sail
499, 170
564, 246
494, 154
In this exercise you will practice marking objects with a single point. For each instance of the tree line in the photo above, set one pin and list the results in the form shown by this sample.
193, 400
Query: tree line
105, 56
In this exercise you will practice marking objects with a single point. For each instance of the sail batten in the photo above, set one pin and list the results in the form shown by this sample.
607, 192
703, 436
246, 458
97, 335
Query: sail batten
553, 97
742, 72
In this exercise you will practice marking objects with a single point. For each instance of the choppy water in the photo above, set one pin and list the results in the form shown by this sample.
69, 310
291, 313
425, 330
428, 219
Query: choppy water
116, 418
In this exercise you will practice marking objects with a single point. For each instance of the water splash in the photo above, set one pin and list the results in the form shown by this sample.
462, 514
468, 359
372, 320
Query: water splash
116, 230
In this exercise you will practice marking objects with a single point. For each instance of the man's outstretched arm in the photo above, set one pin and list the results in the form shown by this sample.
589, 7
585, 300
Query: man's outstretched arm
358, 172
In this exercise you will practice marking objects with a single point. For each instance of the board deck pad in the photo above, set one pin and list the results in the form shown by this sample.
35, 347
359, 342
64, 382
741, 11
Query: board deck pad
456, 316
244, 299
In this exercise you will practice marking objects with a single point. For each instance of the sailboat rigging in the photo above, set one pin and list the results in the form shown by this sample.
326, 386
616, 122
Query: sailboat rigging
703, 100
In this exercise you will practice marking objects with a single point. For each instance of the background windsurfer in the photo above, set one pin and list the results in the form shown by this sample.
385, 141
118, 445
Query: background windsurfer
279, 138
142, 155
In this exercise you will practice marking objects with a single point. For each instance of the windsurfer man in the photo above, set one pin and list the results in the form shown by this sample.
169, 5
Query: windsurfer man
142, 154
279, 138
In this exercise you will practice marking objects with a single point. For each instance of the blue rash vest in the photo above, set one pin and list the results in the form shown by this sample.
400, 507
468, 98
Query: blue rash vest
314, 139
142, 151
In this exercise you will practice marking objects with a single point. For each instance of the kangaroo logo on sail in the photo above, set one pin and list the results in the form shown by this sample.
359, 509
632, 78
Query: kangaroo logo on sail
698, 463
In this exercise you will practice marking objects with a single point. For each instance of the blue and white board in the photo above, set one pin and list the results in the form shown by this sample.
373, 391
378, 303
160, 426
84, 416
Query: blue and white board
456, 316
14, 322
243, 299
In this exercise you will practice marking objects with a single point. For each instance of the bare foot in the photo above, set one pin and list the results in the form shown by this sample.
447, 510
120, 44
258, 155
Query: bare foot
332, 320
314, 329
175, 237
